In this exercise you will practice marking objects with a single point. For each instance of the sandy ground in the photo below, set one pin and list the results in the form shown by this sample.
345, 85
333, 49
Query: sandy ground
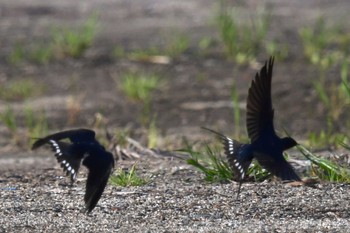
175, 200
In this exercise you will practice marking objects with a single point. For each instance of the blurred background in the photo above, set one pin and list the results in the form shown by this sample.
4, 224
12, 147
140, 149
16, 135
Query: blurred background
158, 70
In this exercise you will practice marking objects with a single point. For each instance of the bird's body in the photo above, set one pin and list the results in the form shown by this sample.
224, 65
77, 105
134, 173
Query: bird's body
266, 147
85, 149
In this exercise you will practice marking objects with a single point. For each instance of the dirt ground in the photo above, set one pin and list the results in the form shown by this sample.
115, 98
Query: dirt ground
196, 92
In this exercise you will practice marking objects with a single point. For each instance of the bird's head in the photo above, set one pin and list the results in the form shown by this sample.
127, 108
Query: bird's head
288, 143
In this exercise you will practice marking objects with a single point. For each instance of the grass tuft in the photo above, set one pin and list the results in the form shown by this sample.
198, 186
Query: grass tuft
8, 118
335, 97
74, 43
324, 46
139, 87
20, 90
128, 178
17, 54
326, 169
215, 167
153, 133
177, 45
36, 124
41, 54
245, 39
257, 172
210, 164
62, 43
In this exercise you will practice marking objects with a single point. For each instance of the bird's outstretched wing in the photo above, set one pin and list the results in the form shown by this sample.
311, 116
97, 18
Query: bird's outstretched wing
75, 136
100, 167
259, 103
68, 155
278, 167
69, 162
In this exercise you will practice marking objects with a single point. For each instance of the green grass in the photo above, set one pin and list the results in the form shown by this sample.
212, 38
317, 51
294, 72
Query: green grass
278, 50
236, 110
205, 44
325, 139
335, 94
245, 39
17, 54
20, 90
142, 54
215, 167
335, 97
60, 44
139, 87
74, 42
128, 178
325, 46
153, 134
257, 172
41, 54
36, 124
119, 52
176, 45
9, 119
326, 169
210, 163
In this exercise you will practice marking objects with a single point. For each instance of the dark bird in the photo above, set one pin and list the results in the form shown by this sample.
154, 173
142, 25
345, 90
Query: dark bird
86, 149
266, 147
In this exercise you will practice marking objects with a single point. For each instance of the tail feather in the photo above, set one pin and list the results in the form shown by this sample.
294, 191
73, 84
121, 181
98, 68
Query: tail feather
238, 155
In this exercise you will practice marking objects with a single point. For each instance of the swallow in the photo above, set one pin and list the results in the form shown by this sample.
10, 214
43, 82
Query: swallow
265, 145
83, 148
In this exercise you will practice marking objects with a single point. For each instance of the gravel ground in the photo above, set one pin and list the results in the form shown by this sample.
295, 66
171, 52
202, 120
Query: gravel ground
176, 200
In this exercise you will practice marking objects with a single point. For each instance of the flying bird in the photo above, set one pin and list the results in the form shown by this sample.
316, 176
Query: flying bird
265, 146
85, 149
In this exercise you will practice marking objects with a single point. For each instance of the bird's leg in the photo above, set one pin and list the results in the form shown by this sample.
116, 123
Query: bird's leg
70, 186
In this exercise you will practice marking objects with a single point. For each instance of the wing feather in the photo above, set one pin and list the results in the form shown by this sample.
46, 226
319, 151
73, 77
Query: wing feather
75, 135
259, 104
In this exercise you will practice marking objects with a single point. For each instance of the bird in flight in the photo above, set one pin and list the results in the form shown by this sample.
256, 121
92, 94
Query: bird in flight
265, 146
84, 148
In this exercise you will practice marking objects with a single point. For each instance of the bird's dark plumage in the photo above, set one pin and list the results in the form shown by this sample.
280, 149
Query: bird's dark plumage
259, 104
266, 147
84, 148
